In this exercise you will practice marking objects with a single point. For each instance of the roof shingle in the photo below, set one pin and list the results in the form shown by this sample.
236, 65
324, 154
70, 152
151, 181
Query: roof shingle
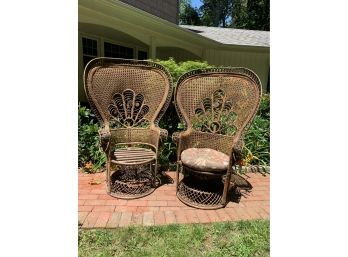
231, 36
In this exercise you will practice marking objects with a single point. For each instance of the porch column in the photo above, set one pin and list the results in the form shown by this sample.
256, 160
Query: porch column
152, 48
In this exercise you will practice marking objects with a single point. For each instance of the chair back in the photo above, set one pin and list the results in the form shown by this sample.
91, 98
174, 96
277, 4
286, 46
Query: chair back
127, 93
218, 100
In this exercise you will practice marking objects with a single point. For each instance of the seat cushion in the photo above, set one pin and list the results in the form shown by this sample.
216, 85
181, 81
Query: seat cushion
205, 159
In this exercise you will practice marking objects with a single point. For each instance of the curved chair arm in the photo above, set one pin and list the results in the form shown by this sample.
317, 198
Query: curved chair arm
163, 134
175, 137
178, 136
104, 135
237, 151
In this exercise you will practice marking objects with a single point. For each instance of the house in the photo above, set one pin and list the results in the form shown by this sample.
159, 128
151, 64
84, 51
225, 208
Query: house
141, 29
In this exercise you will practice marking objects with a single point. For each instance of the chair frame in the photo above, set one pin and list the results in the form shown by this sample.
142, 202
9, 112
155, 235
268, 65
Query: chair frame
230, 145
137, 80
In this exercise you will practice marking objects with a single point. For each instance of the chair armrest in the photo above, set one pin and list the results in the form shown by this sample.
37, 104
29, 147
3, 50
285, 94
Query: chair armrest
237, 151
175, 137
178, 136
163, 134
104, 135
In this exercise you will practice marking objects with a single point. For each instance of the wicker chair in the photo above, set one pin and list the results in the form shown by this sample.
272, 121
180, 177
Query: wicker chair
216, 106
129, 98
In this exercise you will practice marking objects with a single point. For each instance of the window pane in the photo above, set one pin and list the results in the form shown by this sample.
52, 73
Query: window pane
117, 51
142, 55
90, 50
89, 46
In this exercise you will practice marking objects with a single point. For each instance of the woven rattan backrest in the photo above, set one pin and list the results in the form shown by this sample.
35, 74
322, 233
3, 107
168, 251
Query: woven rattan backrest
127, 93
218, 100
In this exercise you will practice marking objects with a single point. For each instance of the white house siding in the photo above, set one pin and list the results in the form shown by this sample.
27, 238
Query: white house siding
256, 61
178, 54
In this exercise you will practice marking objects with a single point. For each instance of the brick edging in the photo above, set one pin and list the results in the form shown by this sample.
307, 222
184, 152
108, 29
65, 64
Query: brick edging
253, 169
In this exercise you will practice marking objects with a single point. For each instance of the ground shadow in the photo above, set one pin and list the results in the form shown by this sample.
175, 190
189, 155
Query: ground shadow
241, 189
163, 179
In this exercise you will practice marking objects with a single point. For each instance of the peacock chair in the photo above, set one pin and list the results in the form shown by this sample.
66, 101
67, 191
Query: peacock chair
216, 106
129, 97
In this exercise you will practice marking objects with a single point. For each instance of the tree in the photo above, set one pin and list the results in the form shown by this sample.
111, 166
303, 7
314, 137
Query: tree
258, 12
251, 14
239, 14
216, 13
188, 15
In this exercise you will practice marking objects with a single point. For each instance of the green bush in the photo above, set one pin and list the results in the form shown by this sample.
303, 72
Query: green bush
177, 69
257, 138
90, 157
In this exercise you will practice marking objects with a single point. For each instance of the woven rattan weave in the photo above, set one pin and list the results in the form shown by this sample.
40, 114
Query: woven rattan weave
129, 98
216, 106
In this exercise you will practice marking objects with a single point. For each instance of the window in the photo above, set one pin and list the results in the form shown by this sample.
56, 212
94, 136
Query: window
117, 51
142, 55
90, 50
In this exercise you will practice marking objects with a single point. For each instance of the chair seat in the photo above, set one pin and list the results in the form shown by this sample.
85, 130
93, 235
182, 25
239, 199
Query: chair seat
205, 159
133, 156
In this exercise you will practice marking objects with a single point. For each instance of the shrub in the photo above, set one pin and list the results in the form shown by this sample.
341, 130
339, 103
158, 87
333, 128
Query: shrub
257, 138
178, 69
90, 157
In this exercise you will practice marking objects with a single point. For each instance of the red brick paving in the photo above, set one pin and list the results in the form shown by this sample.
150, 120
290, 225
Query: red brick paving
99, 210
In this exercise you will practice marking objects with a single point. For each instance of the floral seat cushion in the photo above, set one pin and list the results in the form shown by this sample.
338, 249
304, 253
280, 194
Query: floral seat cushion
205, 159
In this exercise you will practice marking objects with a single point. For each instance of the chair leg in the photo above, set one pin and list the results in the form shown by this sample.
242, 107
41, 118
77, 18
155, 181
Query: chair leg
153, 173
226, 187
156, 167
177, 175
108, 171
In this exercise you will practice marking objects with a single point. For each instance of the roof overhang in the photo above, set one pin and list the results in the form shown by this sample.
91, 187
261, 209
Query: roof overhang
153, 24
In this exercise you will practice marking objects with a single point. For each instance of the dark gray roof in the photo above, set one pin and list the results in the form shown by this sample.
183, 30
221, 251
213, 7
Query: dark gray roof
231, 36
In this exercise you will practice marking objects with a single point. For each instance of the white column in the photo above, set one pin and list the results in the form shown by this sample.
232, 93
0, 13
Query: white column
152, 48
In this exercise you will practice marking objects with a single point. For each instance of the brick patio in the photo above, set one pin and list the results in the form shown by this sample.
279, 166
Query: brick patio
99, 210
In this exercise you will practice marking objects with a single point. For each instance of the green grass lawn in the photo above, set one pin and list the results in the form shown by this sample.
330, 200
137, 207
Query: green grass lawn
243, 238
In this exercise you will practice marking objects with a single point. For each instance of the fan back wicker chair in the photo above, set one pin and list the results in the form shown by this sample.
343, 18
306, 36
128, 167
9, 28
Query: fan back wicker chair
129, 98
216, 106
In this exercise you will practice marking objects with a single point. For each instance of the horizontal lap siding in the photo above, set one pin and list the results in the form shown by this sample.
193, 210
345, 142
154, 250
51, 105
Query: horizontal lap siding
178, 54
256, 61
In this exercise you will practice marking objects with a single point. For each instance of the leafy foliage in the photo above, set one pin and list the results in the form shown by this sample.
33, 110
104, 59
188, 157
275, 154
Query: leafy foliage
257, 137
254, 15
90, 157
177, 69
216, 13
188, 15
240, 14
